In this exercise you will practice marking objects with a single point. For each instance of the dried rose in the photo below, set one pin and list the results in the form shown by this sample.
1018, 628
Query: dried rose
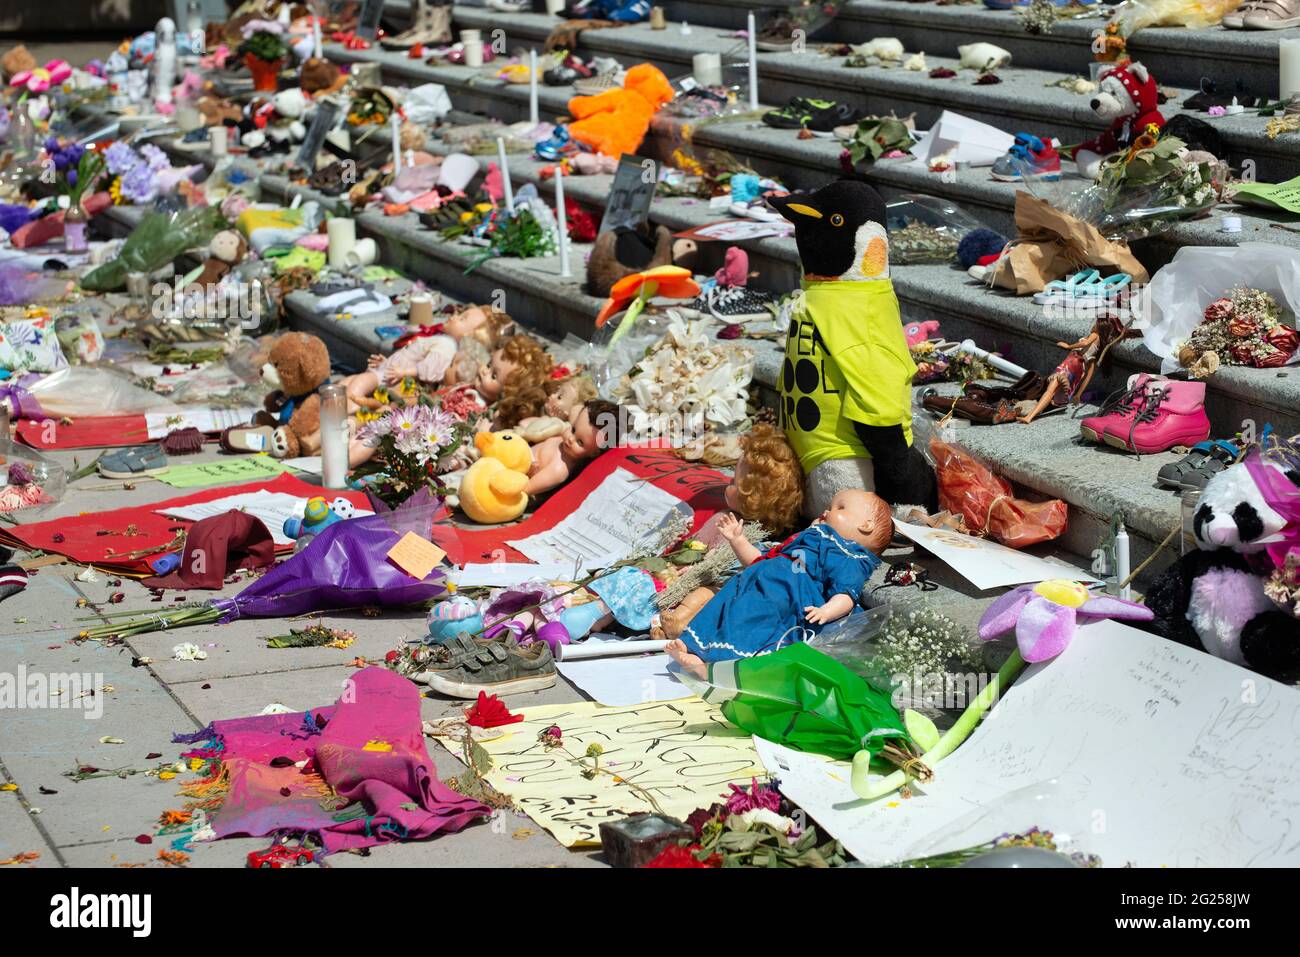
1241, 327
1284, 339
1268, 358
1218, 310
942, 73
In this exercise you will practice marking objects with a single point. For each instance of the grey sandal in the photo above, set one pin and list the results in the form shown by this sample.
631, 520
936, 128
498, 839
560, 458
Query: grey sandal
1204, 461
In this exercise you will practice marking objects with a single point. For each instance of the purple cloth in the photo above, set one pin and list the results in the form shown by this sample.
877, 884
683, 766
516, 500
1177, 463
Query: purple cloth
368, 749
345, 566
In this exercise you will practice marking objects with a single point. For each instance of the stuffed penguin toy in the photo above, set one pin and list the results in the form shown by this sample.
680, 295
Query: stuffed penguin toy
1246, 521
846, 382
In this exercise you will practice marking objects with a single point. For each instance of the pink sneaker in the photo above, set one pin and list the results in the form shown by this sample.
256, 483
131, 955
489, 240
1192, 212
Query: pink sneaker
1173, 413
1117, 408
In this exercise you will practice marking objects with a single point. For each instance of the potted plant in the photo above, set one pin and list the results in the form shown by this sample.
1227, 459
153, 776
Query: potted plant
264, 54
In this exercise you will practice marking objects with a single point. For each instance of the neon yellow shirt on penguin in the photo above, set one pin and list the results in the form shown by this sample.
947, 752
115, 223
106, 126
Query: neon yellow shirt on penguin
846, 361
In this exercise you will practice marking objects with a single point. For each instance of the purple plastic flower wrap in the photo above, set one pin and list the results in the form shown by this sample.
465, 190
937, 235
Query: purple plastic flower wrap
19, 286
345, 566
12, 216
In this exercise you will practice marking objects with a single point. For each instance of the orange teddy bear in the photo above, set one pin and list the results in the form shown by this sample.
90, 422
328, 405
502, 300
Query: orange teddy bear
615, 122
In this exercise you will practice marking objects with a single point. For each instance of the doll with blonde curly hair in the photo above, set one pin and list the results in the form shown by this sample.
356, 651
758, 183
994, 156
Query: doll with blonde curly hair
768, 487
515, 378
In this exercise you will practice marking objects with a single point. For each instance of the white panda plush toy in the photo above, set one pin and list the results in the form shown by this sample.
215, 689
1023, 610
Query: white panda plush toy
1214, 597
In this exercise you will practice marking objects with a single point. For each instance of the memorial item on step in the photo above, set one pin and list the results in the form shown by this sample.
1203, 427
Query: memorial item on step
289, 425
1245, 327
1070, 380
1052, 244
845, 385
1233, 595
1128, 100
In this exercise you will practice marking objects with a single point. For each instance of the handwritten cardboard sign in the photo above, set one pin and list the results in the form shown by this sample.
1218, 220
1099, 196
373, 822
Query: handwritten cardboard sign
683, 752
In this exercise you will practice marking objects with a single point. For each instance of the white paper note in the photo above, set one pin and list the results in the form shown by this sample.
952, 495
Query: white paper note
205, 420
1127, 745
623, 681
986, 564
610, 524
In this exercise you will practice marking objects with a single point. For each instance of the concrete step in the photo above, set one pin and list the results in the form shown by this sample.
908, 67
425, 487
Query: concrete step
1022, 101
806, 164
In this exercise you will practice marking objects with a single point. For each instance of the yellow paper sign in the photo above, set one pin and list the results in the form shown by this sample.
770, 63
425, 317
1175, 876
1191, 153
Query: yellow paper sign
682, 752
415, 555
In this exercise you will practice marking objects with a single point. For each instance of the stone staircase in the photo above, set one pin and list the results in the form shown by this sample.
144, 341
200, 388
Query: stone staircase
1043, 459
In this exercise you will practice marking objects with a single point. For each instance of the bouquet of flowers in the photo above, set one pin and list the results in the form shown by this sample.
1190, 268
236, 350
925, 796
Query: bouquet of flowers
1147, 189
1243, 328
412, 442
688, 372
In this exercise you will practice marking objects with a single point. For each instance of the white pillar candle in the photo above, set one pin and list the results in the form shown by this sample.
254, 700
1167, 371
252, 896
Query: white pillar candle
396, 123
706, 69
753, 63
532, 87
164, 60
1122, 563
342, 233
219, 139
1289, 64
554, 7
505, 173
317, 45
562, 216
472, 41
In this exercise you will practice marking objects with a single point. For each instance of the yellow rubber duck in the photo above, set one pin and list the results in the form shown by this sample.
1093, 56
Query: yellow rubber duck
492, 491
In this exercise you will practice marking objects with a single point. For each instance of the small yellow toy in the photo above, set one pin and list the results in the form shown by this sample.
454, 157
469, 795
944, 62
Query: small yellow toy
492, 491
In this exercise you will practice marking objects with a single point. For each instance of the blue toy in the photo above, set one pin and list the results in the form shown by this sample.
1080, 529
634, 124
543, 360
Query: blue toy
318, 516
449, 618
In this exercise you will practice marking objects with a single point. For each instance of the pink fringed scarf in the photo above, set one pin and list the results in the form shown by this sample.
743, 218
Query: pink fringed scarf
367, 778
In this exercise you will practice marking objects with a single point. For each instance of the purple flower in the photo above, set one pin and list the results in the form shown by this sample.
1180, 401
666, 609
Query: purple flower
139, 184
155, 157
120, 158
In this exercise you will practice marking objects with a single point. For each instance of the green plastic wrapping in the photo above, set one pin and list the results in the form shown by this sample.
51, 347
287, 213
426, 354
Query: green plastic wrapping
803, 699
159, 239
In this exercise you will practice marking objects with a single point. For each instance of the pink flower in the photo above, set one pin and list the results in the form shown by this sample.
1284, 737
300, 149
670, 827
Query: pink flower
43, 77
1044, 616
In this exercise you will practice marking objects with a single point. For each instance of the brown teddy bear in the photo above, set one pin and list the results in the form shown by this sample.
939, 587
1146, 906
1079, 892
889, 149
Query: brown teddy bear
297, 366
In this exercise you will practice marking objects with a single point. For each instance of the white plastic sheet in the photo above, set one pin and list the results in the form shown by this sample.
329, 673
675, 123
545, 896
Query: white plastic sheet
1197, 275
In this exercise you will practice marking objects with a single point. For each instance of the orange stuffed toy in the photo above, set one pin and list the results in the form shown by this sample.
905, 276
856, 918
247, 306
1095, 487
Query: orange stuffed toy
615, 122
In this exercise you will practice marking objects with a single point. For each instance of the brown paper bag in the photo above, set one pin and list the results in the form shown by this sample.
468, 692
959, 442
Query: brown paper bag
1053, 244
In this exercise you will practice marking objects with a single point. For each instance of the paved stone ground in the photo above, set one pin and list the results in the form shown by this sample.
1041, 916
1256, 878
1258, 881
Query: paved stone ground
95, 822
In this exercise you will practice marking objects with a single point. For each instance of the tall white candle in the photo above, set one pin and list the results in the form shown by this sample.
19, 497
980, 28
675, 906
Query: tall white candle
317, 45
1122, 563
563, 216
505, 173
219, 139
472, 40
1289, 64
753, 63
532, 87
342, 233
397, 142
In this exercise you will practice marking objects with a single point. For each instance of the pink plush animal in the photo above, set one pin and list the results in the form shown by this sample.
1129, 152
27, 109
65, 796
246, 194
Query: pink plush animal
919, 332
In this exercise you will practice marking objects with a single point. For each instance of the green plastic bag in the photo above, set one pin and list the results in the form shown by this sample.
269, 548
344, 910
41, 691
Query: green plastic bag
806, 700
159, 239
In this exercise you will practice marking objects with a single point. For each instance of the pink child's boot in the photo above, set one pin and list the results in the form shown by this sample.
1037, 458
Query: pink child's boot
1118, 408
1173, 413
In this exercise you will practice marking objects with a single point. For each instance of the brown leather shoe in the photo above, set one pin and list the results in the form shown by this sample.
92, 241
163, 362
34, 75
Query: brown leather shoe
987, 405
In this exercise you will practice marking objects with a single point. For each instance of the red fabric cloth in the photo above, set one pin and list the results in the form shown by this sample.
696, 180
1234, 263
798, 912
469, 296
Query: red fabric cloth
217, 546
78, 536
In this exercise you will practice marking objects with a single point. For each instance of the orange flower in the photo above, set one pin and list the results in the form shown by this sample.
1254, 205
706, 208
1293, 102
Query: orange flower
673, 282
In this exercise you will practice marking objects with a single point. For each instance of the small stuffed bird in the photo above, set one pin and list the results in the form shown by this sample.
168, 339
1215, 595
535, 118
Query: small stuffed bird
840, 231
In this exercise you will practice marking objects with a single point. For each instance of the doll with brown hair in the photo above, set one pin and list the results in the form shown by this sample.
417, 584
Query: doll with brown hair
1071, 378
515, 379
596, 427
565, 398
794, 590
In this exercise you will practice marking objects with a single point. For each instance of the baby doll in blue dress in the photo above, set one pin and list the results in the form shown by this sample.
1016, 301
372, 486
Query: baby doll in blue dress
790, 593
